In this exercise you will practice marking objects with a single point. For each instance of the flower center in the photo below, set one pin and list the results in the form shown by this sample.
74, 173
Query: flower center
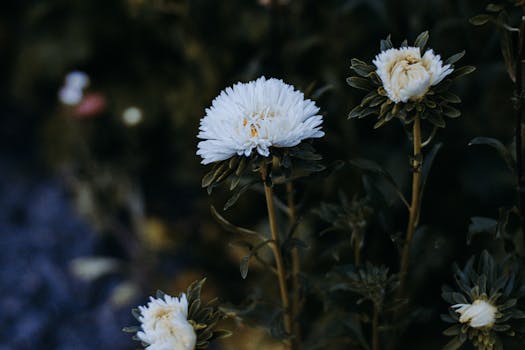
254, 119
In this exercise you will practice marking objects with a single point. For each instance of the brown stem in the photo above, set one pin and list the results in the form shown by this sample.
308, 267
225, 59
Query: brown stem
375, 329
296, 268
414, 207
276, 248
519, 121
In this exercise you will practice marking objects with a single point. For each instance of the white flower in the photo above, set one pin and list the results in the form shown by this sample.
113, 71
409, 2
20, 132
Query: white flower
408, 76
77, 80
93, 267
479, 314
69, 96
132, 116
72, 91
256, 116
165, 326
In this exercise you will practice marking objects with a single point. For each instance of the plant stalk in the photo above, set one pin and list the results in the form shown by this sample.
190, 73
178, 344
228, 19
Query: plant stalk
519, 122
276, 248
414, 206
296, 268
375, 329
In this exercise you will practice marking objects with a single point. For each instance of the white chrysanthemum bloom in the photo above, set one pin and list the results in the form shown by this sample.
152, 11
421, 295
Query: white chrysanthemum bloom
165, 325
479, 314
256, 116
408, 76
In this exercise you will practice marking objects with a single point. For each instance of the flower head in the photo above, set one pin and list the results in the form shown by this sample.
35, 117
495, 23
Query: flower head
479, 314
485, 305
165, 325
255, 116
406, 75
406, 82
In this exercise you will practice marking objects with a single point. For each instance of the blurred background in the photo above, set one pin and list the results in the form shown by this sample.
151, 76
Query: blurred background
100, 196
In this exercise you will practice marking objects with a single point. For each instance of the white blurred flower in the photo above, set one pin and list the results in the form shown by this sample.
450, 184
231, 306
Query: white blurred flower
479, 314
132, 116
77, 80
69, 96
256, 116
92, 267
165, 326
408, 76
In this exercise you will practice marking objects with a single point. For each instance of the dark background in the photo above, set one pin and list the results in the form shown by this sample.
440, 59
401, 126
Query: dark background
89, 185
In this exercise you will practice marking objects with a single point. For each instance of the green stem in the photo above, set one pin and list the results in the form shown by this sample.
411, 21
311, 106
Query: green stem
296, 268
276, 248
415, 205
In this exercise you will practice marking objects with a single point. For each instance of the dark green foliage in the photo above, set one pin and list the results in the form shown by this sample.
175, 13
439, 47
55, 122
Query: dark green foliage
286, 164
348, 216
371, 283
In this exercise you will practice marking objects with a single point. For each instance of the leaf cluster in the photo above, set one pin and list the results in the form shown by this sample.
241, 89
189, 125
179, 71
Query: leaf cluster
370, 282
286, 164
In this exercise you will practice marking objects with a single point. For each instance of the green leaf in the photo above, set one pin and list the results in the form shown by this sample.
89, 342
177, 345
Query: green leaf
461, 71
241, 166
244, 266
455, 343
369, 97
499, 147
386, 43
356, 112
421, 41
373, 168
360, 83
136, 313
210, 177
450, 97
228, 226
238, 192
494, 7
131, 329
361, 112
361, 68
479, 20
454, 58
452, 330
450, 111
